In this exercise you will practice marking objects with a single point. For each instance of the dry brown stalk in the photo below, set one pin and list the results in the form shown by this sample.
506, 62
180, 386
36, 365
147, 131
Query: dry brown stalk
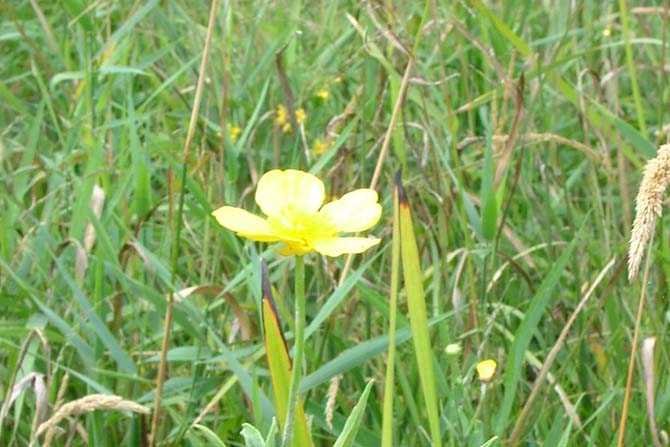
648, 207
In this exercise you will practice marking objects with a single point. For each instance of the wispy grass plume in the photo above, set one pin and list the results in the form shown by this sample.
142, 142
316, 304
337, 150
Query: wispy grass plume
648, 207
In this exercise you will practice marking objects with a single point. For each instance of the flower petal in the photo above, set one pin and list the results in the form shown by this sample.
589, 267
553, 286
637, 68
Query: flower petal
245, 224
354, 212
298, 191
336, 246
486, 369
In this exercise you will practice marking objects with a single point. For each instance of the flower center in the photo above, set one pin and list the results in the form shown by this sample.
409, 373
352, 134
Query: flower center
295, 223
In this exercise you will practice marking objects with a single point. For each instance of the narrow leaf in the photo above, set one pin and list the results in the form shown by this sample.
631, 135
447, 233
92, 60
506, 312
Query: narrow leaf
348, 435
211, 437
389, 381
252, 437
280, 365
411, 266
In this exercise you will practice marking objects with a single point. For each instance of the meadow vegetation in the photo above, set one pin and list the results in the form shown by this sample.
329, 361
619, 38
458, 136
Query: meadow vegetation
518, 131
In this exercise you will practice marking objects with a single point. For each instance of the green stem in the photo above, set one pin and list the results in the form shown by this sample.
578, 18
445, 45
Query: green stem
299, 347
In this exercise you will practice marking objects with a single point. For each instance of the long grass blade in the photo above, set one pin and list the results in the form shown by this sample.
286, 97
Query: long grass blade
389, 381
279, 362
348, 435
416, 303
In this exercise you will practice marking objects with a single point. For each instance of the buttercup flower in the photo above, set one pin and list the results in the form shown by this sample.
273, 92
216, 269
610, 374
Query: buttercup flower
486, 369
282, 116
292, 201
300, 115
322, 94
234, 133
282, 119
319, 147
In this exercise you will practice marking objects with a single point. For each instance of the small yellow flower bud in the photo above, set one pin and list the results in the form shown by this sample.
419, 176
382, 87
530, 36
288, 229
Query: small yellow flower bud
486, 369
453, 349
319, 147
235, 132
300, 115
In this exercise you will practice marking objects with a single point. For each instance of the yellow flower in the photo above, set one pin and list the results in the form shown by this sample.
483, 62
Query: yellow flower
319, 147
282, 116
338, 79
486, 369
292, 201
234, 133
323, 94
300, 115
607, 31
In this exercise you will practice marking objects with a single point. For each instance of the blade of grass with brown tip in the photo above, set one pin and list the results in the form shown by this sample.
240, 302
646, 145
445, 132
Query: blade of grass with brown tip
416, 304
279, 363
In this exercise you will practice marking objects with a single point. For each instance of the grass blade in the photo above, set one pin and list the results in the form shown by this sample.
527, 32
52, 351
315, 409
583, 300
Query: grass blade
348, 435
387, 421
280, 366
417, 311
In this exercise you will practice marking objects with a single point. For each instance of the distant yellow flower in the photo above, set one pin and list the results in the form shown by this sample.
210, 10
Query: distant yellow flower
607, 32
319, 147
235, 132
323, 94
338, 79
282, 116
300, 115
486, 369
292, 201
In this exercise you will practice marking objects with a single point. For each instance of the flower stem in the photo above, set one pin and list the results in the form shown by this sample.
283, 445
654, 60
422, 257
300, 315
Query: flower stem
299, 347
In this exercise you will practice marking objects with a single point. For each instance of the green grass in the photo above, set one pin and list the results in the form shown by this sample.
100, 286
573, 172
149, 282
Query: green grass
103, 96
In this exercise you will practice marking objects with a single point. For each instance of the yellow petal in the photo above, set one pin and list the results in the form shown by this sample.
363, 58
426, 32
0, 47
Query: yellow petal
486, 369
244, 223
355, 211
289, 192
337, 246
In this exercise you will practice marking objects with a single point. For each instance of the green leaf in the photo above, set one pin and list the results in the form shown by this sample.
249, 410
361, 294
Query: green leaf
489, 202
359, 355
416, 303
127, 26
212, 437
279, 363
252, 437
348, 435
635, 138
387, 420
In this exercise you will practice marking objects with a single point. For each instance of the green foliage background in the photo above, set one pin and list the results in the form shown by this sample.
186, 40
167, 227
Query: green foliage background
564, 100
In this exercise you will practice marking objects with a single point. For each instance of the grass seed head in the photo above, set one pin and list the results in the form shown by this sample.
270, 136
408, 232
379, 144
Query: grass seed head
648, 207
